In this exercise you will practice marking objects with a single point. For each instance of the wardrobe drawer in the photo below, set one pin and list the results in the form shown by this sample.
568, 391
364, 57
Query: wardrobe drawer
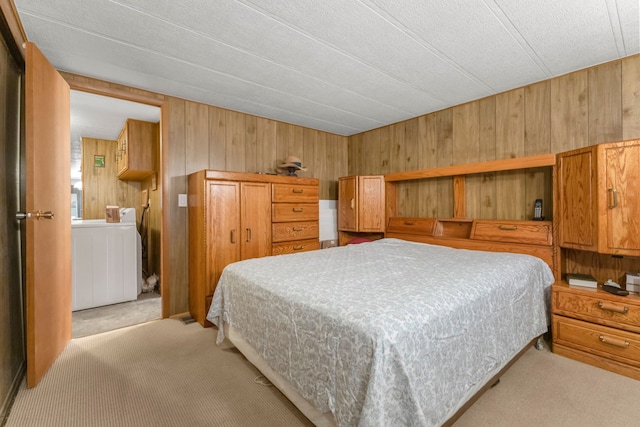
535, 232
294, 247
292, 193
601, 340
599, 309
284, 231
288, 212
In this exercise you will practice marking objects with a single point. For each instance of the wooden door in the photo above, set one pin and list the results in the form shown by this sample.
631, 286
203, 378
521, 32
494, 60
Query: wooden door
371, 203
223, 229
256, 219
620, 190
347, 204
577, 199
48, 188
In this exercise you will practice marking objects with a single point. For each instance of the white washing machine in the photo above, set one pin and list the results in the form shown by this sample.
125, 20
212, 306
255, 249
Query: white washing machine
107, 261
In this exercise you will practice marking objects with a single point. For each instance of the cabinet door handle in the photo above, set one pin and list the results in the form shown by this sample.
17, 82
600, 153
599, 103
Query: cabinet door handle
297, 190
613, 198
353, 203
298, 209
248, 234
614, 341
614, 308
508, 227
233, 236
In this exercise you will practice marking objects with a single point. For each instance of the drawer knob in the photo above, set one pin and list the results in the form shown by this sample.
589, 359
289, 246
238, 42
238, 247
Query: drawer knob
298, 209
298, 248
298, 228
409, 223
297, 190
508, 227
614, 341
614, 308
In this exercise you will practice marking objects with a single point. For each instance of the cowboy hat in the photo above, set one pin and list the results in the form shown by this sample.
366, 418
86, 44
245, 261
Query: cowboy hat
292, 162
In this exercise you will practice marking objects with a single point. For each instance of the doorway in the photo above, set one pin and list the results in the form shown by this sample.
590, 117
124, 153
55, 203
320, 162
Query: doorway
96, 124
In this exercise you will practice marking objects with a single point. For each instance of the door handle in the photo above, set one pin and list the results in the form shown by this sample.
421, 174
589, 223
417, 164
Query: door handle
37, 215
233, 236
614, 195
248, 235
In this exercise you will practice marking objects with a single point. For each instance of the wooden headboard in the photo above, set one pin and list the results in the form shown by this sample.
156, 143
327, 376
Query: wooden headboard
517, 236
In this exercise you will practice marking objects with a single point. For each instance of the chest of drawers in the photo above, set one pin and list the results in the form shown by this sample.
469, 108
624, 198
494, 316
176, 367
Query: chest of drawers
598, 328
294, 218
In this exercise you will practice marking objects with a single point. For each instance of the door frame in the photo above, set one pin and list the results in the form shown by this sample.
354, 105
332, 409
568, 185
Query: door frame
104, 88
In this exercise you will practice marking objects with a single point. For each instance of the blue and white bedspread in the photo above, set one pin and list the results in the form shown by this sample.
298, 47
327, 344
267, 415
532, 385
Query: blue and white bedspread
387, 333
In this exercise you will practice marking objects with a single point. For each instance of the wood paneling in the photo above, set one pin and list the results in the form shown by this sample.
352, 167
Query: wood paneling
631, 97
550, 116
100, 186
585, 107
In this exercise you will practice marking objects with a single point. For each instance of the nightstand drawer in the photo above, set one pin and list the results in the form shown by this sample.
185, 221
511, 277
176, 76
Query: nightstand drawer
612, 343
294, 247
284, 231
598, 307
535, 232
289, 212
291, 193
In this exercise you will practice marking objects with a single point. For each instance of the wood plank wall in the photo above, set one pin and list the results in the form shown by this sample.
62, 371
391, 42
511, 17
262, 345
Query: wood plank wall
587, 107
206, 137
100, 186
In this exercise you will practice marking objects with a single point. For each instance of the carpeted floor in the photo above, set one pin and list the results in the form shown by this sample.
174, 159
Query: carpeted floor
166, 373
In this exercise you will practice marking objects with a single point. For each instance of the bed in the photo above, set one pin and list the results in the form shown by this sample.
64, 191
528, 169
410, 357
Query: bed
390, 332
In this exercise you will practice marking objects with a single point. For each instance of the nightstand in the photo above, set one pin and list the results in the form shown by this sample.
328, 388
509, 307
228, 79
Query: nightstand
596, 327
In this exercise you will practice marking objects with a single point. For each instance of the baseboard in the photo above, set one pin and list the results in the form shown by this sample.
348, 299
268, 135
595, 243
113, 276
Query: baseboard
11, 395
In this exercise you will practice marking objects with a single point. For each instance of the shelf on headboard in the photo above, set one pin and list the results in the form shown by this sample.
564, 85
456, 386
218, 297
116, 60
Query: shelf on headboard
473, 168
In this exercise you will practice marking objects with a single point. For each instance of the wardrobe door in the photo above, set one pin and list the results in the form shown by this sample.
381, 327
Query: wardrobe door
255, 221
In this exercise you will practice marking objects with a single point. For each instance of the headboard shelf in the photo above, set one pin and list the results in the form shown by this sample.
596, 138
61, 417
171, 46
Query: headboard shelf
509, 235
474, 168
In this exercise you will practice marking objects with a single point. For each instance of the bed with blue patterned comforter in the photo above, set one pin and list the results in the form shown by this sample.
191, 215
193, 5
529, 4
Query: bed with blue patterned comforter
387, 333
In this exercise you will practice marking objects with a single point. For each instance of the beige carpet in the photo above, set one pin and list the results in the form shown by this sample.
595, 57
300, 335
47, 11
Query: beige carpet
165, 373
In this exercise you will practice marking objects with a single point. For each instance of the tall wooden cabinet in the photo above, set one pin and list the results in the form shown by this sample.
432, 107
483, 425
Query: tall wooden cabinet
599, 198
598, 215
231, 218
361, 206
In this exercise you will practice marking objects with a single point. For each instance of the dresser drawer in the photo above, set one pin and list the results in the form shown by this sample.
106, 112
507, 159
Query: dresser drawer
603, 309
292, 193
607, 342
288, 212
535, 232
294, 247
284, 231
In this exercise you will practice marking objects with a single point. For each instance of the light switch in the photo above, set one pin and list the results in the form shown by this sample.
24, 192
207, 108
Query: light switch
182, 200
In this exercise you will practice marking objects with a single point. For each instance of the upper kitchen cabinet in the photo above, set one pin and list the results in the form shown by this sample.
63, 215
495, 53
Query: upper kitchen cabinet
599, 198
136, 150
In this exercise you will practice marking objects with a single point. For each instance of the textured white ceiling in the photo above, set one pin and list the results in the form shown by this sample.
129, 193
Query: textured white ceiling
334, 65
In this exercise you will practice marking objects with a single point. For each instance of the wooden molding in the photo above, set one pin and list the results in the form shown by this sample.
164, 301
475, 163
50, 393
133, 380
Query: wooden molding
114, 90
11, 17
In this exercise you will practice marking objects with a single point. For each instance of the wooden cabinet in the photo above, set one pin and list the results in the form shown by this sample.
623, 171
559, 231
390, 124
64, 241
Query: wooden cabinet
295, 216
232, 218
599, 198
361, 206
136, 150
598, 328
